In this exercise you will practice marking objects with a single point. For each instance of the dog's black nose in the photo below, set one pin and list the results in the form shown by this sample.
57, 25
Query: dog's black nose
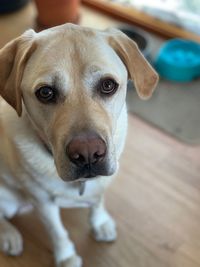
86, 149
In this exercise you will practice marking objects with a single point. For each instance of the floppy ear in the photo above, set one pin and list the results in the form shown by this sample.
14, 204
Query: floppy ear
13, 58
140, 71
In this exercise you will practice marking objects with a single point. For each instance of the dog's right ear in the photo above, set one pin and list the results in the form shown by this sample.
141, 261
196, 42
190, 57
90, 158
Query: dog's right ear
13, 58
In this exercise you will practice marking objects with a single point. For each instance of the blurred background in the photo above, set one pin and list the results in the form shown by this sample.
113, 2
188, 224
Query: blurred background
156, 197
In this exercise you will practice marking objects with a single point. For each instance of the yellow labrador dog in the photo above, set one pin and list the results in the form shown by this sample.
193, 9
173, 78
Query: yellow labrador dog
63, 124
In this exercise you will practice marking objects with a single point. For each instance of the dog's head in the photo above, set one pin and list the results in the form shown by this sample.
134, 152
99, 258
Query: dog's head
72, 82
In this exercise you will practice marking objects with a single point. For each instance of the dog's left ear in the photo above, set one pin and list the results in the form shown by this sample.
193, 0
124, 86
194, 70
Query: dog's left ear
140, 71
13, 58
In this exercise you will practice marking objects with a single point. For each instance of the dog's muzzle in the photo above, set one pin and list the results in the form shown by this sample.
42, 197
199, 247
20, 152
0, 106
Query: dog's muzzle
87, 152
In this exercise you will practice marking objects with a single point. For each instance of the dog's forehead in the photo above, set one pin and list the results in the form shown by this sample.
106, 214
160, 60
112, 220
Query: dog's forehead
74, 45
67, 40
71, 52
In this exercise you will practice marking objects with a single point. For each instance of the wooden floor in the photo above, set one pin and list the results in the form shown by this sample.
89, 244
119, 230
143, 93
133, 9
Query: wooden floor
155, 201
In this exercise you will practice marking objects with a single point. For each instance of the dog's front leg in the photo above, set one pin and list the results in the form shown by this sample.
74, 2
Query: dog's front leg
102, 224
64, 251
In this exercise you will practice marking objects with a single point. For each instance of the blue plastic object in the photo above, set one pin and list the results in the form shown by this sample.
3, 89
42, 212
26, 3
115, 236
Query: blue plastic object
179, 60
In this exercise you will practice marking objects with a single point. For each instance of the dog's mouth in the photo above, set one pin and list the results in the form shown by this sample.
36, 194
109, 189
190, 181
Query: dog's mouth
85, 179
89, 172
81, 176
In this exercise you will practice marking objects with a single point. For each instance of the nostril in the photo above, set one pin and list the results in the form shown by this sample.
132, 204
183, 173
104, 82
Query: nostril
77, 158
98, 156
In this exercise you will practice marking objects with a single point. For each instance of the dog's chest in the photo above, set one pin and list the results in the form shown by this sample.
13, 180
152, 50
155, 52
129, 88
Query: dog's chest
67, 195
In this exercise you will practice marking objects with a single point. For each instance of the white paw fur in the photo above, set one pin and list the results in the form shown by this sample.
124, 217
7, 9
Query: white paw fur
11, 242
73, 261
106, 231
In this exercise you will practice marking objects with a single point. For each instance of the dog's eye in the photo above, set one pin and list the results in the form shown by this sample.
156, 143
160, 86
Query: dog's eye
108, 86
46, 94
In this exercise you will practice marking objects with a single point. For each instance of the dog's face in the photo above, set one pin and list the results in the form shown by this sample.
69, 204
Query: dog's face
73, 84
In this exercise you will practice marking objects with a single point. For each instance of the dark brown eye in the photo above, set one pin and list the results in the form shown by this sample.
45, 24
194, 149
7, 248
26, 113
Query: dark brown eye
46, 94
108, 86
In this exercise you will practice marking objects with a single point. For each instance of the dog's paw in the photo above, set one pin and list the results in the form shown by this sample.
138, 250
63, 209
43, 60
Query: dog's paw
73, 261
105, 232
11, 241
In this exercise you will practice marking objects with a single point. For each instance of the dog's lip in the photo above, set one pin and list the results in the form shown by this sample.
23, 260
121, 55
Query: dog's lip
92, 176
87, 178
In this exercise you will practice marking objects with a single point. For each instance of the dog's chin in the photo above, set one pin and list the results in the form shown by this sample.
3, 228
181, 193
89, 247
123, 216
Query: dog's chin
81, 175
85, 179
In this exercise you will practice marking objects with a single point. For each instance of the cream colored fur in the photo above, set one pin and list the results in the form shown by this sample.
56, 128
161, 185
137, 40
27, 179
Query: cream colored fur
73, 59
